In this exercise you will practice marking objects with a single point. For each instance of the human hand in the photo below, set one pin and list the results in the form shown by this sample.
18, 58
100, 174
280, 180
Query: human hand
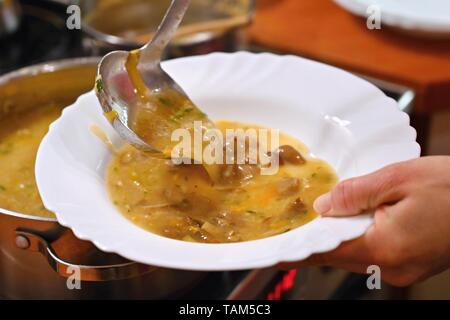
410, 237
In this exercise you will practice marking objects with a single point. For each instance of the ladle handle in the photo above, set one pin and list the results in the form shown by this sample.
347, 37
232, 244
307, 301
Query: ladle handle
153, 50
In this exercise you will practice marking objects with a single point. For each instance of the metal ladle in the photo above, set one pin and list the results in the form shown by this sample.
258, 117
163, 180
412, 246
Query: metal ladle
124, 93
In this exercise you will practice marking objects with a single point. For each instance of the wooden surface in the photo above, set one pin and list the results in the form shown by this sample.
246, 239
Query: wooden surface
321, 30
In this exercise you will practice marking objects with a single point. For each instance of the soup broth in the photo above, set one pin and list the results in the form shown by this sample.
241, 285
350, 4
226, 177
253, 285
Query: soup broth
181, 202
20, 136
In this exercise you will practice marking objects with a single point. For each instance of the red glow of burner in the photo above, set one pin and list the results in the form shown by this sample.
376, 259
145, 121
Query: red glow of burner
286, 284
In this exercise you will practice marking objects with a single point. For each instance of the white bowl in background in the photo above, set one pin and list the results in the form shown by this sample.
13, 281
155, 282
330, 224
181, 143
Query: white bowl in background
430, 17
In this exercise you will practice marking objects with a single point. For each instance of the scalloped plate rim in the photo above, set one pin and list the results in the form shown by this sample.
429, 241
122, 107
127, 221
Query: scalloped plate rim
361, 223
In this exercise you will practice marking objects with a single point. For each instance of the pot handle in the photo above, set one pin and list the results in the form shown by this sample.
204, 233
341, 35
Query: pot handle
34, 243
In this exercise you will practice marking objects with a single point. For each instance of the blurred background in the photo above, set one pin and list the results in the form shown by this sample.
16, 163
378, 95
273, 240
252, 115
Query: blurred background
408, 59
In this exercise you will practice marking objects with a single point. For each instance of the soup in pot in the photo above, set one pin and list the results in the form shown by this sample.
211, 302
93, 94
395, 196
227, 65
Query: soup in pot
20, 136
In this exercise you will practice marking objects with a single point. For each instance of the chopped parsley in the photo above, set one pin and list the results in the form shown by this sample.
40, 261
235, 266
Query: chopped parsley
181, 113
99, 85
164, 101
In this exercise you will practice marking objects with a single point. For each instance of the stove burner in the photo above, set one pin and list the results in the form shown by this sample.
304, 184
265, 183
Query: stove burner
42, 36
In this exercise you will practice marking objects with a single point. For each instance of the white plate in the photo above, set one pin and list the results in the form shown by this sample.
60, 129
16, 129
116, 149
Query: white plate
343, 119
429, 16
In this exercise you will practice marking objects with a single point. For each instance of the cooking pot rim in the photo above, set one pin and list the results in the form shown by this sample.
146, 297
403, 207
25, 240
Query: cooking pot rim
48, 67
35, 70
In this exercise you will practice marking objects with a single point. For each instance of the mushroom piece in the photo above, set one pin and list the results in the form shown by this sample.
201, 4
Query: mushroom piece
294, 208
288, 186
298, 205
288, 154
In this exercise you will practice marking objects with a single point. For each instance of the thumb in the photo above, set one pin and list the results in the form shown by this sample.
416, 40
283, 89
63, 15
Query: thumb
356, 195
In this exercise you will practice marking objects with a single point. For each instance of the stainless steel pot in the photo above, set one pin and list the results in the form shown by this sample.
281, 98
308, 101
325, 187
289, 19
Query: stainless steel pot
217, 23
39, 257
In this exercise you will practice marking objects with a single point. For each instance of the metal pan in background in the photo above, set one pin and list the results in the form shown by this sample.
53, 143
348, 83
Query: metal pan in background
209, 25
